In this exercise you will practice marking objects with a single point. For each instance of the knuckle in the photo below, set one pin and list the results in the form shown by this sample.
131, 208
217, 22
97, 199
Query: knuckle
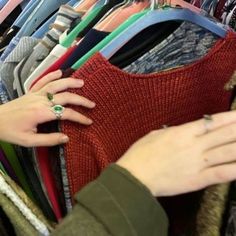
220, 176
25, 141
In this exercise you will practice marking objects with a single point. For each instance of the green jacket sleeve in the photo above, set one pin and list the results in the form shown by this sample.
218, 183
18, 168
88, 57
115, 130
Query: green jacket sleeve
115, 204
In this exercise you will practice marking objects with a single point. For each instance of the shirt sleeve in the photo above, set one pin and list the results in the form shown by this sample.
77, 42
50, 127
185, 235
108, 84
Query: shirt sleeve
115, 204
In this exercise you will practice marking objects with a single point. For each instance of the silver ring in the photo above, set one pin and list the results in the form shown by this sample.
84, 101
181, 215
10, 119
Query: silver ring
207, 122
58, 111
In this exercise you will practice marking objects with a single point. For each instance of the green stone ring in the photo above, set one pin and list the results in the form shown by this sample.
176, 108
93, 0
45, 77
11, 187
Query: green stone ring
58, 111
50, 98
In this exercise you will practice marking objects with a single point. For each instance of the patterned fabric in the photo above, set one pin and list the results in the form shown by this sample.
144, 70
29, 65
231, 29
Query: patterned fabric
186, 45
25, 211
23, 48
4, 98
65, 16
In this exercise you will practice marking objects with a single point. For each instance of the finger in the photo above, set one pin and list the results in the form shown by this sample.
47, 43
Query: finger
218, 137
74, 99
218, 174
52, 139
46, 79
61, 85
219, 120
68, 114
220, 155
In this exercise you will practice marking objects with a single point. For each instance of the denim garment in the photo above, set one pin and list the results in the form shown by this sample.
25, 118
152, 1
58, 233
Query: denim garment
21, 19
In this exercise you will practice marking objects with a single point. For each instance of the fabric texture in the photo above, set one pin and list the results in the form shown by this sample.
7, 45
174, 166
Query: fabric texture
7, 166
63, 20
28, 203
7, 37
56, 53
91, 39
149, 101
138, 214
186, 45
37, 224
26, 161
56, 65
23, 48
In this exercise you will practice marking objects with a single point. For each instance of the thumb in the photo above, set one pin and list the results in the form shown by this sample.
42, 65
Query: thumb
51, 139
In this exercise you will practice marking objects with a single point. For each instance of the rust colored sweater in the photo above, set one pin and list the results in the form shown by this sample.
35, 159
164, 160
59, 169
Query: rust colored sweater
128, 106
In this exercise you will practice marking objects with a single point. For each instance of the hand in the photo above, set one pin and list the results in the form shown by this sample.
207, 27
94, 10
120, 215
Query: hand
19, 118
185, 158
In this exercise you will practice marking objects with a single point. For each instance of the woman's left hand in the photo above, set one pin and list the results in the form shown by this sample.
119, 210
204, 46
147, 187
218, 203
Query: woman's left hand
19, 118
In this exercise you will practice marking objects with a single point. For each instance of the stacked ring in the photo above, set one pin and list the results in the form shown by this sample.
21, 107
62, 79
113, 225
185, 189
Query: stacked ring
56, 109
50, 98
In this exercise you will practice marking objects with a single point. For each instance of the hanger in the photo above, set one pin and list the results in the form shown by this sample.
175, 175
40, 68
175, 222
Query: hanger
111, 36
110, 45
159, 16
8, 8
87, 22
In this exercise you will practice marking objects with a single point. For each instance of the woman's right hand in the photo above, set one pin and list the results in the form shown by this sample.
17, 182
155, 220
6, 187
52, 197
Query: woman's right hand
19, 118
185, 158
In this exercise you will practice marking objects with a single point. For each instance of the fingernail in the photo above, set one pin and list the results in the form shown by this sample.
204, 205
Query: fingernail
64, 139
59, 72
80, 81
90, 121
93, 104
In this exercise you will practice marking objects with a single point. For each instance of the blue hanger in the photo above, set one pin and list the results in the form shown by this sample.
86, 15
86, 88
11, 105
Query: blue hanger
158, 16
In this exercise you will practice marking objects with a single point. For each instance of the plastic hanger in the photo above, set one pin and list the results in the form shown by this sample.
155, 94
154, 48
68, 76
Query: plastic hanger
8, 8
111, 36
88, 19
121, 14
159, 16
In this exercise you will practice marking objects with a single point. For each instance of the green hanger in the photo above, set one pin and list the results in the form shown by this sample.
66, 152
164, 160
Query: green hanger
15, 164
70, 38
110, 37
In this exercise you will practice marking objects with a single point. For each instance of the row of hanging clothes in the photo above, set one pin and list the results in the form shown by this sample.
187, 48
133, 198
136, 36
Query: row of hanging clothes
145, 64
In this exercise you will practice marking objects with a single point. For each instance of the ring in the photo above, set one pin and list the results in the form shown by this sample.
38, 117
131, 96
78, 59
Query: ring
207, 121
58, 111
50, 98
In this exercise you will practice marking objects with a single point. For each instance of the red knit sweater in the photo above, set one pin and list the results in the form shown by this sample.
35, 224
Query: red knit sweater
128, 106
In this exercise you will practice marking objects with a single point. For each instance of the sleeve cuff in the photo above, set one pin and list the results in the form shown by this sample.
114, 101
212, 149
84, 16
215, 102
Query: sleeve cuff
123, 205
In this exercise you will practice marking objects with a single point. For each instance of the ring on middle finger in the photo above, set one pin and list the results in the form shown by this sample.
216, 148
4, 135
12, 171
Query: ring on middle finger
51, 99
207, 123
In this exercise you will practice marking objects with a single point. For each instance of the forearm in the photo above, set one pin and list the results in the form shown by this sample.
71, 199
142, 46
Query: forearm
114, 204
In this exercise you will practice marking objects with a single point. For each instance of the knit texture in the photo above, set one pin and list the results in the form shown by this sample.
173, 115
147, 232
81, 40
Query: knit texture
129, 106
26, 212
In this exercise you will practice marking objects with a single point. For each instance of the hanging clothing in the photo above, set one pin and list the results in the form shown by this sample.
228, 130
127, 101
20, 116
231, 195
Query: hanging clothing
63, 20
186, 45
22, 217
158, 95
23, 48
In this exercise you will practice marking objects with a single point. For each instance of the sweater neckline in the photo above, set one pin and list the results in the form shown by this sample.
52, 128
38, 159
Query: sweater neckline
102, 63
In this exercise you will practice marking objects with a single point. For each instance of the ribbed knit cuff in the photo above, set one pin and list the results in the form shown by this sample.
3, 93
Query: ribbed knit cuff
123, 205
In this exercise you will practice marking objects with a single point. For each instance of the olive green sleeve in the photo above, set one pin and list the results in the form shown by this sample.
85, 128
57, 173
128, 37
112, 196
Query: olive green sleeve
115, 204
